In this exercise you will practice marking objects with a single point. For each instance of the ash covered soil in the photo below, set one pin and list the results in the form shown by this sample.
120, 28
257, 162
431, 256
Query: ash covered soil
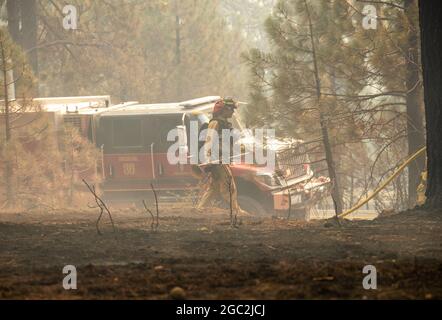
263, 258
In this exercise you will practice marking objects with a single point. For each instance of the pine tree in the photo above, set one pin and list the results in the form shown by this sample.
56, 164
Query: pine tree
367, 77
16, 80
312, 64
396, 69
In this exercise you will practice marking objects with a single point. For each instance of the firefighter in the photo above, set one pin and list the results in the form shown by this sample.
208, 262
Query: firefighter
220, 181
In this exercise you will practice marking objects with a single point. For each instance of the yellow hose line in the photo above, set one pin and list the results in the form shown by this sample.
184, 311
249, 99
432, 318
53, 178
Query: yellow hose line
386, 182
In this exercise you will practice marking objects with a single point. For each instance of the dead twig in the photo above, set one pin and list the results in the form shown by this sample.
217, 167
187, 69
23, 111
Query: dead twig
156, 205
155, 219
100, 204
152, 225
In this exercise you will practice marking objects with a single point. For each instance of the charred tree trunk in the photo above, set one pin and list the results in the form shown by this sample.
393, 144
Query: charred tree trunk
415, 123
13, 9
8, 165
28, 10
430, 15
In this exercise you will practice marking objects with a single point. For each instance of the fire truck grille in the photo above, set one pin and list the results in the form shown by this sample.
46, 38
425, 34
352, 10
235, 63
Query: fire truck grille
292, 162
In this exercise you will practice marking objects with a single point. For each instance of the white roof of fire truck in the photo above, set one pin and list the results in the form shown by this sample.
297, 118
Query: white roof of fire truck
66, 105
90, 105
81, 105
163, 108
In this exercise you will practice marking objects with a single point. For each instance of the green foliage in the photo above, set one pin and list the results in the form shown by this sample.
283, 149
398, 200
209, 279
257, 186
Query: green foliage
285, 80
362, 84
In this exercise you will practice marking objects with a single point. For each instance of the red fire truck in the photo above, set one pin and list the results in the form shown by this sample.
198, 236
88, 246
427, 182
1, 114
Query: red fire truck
133, 141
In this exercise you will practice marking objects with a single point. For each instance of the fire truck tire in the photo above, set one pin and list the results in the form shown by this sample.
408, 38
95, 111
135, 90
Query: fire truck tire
251, 205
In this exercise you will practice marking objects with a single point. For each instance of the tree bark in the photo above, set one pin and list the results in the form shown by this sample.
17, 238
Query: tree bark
178, 91
430, 16
28, 10
8, 165
335, 191
415, 122
13, 9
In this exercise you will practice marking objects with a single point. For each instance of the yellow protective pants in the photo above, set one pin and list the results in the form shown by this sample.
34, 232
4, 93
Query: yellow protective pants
220, 183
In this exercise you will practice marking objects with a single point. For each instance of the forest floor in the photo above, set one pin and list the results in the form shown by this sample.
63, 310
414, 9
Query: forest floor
262, 258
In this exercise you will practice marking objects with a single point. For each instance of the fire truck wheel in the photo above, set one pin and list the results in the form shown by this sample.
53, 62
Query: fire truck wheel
251, 205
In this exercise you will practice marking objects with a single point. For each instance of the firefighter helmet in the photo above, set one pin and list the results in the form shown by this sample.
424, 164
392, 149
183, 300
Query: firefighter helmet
224, 103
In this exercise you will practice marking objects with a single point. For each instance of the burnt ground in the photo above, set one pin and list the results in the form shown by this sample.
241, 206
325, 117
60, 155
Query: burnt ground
263, 258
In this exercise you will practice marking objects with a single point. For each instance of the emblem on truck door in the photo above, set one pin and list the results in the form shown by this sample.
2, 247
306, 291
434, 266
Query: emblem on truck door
129, 169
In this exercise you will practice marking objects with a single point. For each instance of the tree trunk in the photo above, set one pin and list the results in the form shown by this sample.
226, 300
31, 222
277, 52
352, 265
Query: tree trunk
415, 123
335, 191
430, 15
178, 91
8, 165
29, 31
13, 8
